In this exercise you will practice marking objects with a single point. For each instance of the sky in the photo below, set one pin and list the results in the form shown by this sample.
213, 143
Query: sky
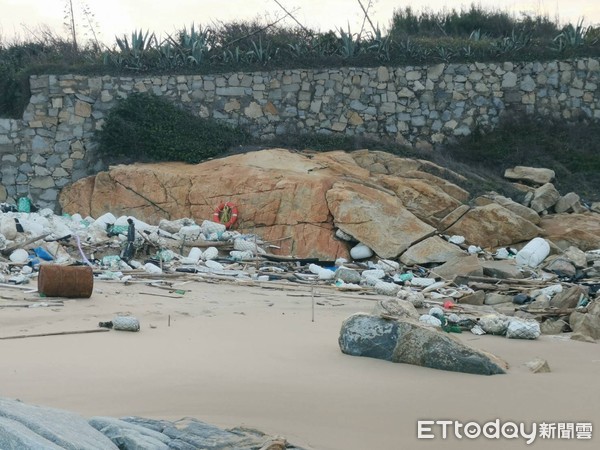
21, 18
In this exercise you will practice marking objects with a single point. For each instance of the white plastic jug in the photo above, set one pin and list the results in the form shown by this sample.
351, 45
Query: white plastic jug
533, 253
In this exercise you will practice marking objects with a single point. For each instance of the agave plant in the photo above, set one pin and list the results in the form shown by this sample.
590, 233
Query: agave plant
571, 37
135, 52
261, 53
350, 47
194, 45
381, 45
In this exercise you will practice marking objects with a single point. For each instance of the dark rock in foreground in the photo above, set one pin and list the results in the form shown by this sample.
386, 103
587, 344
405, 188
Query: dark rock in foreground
408, 341
28, 427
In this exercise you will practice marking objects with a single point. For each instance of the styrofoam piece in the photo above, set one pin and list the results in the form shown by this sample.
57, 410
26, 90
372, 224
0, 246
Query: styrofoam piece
209, 227
151, 268
126, 323
388, 266
533, 253
214, 265
19, 256
373, 273
33, 227
422, 282
313, 268
430, 320
103, 220
383, 288
474, 249
195, 254
456, 239
236, 255
210, 253
340, 262
523, 329
8, 227
361, 251
173, 226
190, 232
493, 324
244, 245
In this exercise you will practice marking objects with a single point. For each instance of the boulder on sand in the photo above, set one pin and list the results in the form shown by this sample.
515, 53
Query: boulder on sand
407, 341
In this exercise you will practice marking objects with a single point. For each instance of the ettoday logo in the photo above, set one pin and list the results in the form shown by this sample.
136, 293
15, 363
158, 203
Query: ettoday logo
434, 429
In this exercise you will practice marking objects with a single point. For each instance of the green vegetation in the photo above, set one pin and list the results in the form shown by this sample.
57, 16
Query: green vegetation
472, 34
146, 127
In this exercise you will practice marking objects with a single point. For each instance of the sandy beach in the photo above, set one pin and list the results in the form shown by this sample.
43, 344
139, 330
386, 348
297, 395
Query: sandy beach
236, 355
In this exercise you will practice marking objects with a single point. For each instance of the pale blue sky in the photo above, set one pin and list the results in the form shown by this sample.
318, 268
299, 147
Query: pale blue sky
115, 17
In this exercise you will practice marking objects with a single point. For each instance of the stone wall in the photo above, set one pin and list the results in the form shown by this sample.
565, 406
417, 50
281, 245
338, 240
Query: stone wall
417, 105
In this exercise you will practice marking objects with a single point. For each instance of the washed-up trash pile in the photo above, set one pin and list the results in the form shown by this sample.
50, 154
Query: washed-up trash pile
114, 246
517, 293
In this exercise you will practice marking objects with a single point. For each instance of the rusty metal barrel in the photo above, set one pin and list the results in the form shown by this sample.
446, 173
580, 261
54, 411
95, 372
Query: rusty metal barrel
65, 281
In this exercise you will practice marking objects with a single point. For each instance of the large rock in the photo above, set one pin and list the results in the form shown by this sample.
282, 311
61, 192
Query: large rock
502, 269
569, 298
568, 202
431, 250
279, 194
376, 218
459, 266
530, 174
578, 230
588, 323
493, 226
544, 198
407, 341
55, 428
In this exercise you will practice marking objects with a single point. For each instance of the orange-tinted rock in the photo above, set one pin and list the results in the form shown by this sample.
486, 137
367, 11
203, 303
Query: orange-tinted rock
375, 218
493, 226
579, 230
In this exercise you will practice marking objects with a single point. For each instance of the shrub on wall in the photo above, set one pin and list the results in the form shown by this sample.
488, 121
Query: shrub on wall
147, 127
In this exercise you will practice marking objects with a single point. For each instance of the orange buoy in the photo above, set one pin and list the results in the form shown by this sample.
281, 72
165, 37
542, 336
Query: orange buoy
65, 281
226, 213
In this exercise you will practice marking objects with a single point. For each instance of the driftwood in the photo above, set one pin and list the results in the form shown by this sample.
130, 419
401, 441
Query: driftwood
8, 250
59, 333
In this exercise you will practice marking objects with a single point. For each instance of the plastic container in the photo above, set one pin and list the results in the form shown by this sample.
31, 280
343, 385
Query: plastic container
533, 253
66, 281
24, 205
361, 251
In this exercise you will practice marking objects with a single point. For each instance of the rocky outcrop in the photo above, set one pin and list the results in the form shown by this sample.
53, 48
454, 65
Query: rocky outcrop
28, 426
280, 194
300, 199
407, 341
24, 426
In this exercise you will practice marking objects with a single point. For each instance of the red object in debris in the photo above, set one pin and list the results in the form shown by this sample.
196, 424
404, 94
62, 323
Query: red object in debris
226, 213
449, 304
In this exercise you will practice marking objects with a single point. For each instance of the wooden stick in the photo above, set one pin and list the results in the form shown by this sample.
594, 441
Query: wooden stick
59, 333
161, 295
9, 250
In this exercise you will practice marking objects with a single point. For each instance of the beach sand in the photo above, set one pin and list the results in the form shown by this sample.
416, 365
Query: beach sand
237, 355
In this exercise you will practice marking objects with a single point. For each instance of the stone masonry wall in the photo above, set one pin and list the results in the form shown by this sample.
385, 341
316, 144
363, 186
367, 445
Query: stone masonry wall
417, 105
